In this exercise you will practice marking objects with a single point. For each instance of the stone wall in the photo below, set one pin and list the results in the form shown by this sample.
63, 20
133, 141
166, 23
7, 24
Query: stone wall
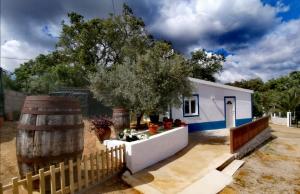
13, 102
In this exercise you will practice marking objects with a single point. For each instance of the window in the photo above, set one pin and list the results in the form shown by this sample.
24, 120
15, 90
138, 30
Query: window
191, 106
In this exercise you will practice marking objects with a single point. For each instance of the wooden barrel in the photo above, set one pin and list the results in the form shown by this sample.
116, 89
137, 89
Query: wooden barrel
121, 119
50, 131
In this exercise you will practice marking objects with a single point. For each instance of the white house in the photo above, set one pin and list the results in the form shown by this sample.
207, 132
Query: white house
214, 106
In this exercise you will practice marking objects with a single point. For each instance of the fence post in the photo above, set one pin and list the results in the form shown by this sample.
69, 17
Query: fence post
86, 174
29, 182
102, 164
15, 185
62, 177
52, 179
107, 161
42, 181
71, 176
92, 167
289, 119
78, 165
98, 166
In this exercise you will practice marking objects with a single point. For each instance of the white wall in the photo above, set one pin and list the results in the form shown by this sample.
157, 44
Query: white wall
211, 104
279, 120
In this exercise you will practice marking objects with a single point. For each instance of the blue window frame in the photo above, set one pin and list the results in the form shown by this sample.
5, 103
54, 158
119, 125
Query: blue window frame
191, 106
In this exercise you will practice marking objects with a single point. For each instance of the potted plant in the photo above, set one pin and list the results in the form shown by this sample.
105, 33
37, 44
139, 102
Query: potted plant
153, 128
168, 123
101, 127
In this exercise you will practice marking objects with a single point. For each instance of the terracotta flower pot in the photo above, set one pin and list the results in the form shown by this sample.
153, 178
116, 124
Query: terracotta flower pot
153, 128
168, 125
103, 134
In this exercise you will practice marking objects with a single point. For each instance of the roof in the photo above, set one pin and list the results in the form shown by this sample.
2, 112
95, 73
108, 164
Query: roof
200, 81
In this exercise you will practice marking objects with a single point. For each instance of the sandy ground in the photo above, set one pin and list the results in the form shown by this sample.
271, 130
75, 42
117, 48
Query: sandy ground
204, 152
273, 168
8, 160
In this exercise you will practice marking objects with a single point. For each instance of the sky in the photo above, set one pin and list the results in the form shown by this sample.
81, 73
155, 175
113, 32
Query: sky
260, 38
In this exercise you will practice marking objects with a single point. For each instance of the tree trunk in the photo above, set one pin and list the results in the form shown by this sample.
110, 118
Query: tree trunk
138, 119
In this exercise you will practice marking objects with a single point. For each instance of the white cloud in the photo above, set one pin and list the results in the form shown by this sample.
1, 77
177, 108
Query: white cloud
275, 54
197, 20
13, 50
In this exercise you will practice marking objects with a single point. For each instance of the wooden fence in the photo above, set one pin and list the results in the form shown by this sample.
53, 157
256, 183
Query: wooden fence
72, 177
240, 135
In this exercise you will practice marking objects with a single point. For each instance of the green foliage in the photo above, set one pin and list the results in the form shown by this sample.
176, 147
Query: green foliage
276, 95
83, 46
205, 66
149, 84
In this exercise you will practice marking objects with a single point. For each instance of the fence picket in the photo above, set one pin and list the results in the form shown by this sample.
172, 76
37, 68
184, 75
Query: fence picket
15, 185
112, 159
71, 176
107, 161
29, 182
62, 177
100, 165
86, 174
123, 154
92, 167
120, 157
53, 181
42, 181
78, 165
116, 158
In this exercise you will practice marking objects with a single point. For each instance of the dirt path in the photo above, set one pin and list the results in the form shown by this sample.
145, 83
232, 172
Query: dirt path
274, 168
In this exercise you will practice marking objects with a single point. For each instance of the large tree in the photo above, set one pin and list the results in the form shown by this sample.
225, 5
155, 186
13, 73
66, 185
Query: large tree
82, 47
150, 84
205, 65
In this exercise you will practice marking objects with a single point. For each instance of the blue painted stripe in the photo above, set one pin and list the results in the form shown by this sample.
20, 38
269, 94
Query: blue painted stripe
243, 121
215, 125
206, 126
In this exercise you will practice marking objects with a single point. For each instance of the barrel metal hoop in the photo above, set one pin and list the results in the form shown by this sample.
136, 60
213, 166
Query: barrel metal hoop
48, 127
41, 159
52, 112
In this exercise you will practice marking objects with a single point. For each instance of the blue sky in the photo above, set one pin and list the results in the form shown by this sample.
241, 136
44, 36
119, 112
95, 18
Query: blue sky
261, 38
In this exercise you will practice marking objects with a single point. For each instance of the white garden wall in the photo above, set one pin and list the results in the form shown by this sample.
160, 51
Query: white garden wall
279, 120
143, 153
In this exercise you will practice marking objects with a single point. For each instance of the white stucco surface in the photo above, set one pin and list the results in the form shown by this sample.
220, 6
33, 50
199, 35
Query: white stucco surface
211, 103
279, 120
143, 153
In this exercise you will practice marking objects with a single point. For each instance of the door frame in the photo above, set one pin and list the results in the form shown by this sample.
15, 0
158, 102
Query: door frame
234, 97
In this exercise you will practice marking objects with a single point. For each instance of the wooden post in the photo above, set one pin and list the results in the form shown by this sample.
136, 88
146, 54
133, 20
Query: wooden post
29, 182
62, 177
120, 156
53, 181
86, 174
15, 185
102, 164
1, 189
98, 166
78, 165
116, 158
107, 161
124, 155
112, 159
42, 181
71, 176
92, 167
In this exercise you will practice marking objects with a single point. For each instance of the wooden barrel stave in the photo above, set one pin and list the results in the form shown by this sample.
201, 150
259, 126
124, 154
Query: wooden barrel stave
48, 133
121, 119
